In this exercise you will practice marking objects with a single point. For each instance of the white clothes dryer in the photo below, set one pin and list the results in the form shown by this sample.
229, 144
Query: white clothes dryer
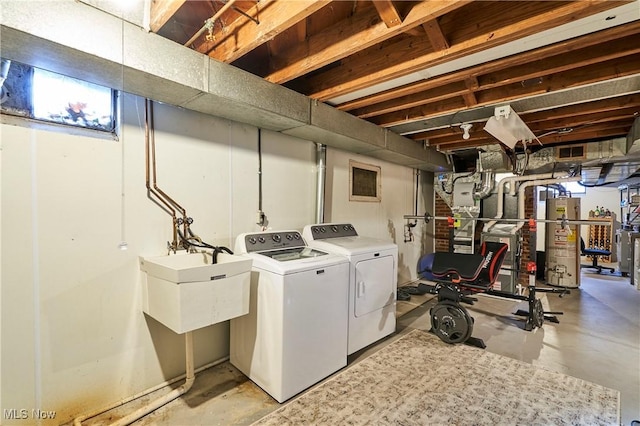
373, 279
295, 333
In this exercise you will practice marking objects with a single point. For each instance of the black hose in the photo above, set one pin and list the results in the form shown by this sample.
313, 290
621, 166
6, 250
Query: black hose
216, 249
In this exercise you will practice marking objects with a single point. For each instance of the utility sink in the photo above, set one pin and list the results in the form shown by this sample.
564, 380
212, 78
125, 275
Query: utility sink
186, 291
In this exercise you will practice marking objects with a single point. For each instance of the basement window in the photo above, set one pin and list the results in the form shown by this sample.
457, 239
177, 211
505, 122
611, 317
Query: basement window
55, 99
364, 182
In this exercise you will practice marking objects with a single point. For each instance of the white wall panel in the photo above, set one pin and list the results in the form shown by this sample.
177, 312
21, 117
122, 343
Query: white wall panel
77, 338
74, 337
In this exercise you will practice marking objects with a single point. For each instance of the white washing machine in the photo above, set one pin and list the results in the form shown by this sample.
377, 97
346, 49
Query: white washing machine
295, 333
373, 279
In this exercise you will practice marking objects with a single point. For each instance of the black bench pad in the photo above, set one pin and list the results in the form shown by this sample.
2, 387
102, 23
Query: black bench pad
465, 266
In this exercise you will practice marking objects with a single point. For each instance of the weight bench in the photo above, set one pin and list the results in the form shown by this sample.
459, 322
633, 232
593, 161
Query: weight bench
458, 276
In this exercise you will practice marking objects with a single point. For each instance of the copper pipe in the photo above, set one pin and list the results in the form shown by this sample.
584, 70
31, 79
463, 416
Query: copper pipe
155, 185
148, 180
210, 21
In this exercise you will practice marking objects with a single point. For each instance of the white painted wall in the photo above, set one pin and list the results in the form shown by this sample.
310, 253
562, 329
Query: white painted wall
598, 196
73, 336
384, 219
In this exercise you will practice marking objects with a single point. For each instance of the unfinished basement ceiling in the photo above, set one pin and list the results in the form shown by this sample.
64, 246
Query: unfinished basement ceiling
570, 69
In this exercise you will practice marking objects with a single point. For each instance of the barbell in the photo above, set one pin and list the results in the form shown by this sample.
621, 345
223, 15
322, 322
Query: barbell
563, 221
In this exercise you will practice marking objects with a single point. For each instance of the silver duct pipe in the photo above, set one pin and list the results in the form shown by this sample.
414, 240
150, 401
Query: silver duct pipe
321, 162
486, 185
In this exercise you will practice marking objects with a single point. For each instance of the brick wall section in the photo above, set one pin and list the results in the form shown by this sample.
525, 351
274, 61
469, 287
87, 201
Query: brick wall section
442, 230
441, 227
529, 211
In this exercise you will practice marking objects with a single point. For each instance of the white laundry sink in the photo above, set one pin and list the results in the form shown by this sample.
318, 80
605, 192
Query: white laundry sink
186, 291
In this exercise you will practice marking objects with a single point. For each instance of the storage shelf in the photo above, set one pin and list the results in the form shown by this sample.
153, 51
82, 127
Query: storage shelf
601, 235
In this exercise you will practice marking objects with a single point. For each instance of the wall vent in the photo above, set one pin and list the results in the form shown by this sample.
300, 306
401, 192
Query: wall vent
571, 152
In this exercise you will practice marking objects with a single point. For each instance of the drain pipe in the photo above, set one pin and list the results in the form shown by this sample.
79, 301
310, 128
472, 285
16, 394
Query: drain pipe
78, 420
527, 184
154, 405
321, 161
511, 180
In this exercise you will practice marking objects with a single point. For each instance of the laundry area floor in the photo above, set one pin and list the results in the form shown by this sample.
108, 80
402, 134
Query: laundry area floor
597, 340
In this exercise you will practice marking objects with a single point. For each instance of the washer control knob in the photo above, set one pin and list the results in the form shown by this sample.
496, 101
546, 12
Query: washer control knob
323, 229
346, 227
252, 240
276, 238
334, 228
289, 237
261, 239
296, 236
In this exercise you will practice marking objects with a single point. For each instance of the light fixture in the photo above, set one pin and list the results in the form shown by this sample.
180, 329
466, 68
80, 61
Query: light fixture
466, 127
508, 127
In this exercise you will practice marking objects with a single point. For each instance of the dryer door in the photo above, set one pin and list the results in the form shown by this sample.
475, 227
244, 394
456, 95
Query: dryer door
374, 285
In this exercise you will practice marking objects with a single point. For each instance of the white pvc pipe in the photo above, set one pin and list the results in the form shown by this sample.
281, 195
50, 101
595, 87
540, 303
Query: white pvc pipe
511, 180
190, 364
525, 185
159, 402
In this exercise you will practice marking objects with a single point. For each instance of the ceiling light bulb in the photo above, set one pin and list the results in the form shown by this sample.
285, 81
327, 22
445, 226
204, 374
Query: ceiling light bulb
466, 127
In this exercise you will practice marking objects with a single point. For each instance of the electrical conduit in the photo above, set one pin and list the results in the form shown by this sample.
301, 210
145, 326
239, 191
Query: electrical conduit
321, 161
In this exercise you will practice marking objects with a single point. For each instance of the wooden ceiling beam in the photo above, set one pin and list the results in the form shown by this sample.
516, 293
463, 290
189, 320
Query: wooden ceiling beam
469, 97
607, 70
576, 116
243, 35
351, 36
436, 94
436, 37
525, 58
511, 78
590, 74
563, 62
585, 108
581, 120
161, 11
357, 73
388, 12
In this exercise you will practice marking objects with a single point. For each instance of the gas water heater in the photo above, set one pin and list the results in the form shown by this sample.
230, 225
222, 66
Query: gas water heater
562, 243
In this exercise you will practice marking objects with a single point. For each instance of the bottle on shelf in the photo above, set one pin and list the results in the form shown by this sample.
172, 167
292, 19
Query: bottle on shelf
596, 213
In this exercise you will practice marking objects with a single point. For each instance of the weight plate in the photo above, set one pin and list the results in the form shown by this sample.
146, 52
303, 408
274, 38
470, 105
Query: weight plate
451, 322
538, 313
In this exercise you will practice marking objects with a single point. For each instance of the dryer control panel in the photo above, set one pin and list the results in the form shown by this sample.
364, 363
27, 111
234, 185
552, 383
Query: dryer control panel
332, 230
262, 241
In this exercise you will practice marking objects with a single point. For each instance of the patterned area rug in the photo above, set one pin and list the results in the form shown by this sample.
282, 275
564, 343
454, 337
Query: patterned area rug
419, 380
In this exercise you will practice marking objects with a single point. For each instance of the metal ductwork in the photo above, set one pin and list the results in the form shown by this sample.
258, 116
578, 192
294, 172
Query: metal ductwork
601, 163
633, 138
123, 56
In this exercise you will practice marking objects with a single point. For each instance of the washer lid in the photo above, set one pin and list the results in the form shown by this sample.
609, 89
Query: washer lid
295, 253
283, 263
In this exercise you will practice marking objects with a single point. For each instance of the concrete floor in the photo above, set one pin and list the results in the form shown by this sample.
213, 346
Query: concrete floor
597, 339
